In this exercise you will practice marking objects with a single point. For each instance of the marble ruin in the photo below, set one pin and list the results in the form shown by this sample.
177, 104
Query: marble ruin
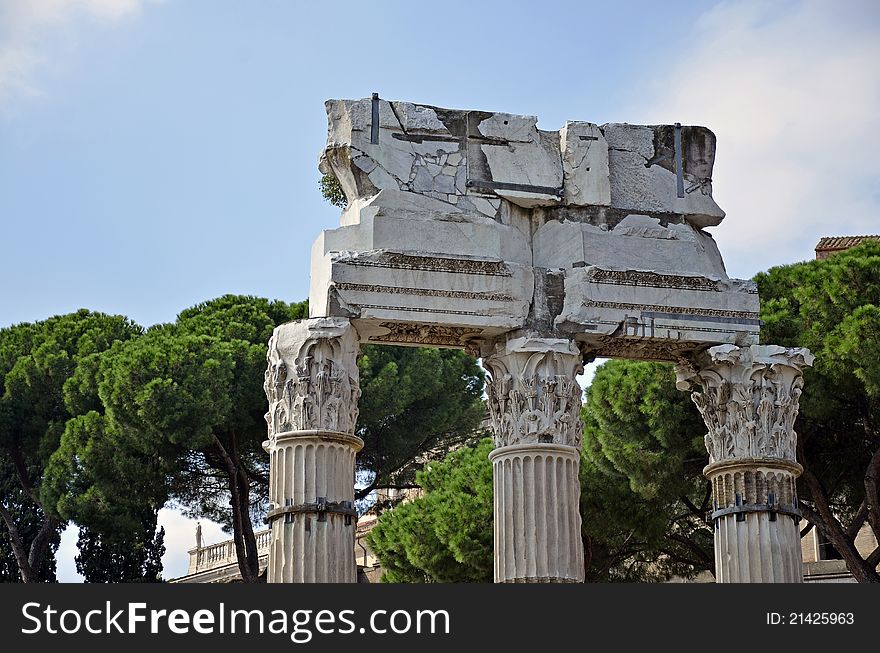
536, 251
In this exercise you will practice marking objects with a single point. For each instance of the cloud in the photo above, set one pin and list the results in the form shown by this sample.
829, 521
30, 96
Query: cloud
792, 91
37, 34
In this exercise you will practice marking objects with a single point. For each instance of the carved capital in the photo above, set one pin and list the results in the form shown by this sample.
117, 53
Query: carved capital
533, 394
749, 400
311, 380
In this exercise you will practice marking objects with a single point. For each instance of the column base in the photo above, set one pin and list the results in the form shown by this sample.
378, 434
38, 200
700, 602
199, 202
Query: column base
537, 514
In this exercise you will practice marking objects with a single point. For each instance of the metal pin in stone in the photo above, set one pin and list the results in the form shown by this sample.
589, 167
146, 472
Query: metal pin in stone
374, 124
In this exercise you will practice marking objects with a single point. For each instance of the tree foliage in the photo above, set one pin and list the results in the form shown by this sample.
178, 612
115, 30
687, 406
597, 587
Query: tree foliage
183, 418
446, 534
832, 306
332, 191
36, 363
644, 498
177, 413
416, 404
110, 559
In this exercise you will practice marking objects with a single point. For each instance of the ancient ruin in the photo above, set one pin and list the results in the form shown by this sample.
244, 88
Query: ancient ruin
536, 251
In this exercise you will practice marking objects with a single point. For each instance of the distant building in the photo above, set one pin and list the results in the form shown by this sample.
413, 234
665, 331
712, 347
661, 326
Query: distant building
822, 562
833, 244
217, 563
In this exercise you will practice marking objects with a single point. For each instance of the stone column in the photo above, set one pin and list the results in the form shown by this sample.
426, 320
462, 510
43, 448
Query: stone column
312, 387
534, 404
749, 401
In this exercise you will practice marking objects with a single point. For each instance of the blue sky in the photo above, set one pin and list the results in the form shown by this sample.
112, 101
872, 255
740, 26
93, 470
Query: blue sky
157, 154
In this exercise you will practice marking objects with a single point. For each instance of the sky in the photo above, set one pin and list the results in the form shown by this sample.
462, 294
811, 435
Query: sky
157, 153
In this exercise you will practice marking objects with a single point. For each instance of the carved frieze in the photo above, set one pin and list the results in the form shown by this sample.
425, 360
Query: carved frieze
426, 334
749, 400
435, 264
652, 280
425, 292
534, 396
311, 380
673, 311
636, 348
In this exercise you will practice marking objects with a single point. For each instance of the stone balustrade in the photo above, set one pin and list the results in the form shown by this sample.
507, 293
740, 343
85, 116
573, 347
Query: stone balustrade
222, 554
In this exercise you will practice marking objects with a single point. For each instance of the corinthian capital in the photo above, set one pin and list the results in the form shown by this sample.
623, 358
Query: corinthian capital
311, 380
533, 393
749, 400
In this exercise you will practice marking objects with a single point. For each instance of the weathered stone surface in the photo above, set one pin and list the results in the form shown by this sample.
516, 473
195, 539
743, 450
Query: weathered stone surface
534, 250
312, 388
503, 208
312, 377
585, 164
403, 221
533, 393
537, 516
423, 150
749, 401
638, 242
534, 404
642, 163
307, 470
375, 287
758, 550
652, 315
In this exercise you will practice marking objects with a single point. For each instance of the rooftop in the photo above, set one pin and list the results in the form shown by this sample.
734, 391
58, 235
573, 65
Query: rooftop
843, 242
832, 244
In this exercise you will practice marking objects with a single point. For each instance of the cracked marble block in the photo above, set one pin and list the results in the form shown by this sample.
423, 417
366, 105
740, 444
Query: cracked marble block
463, 225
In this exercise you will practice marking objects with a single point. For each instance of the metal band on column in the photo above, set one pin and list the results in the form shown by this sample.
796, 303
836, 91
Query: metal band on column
312, 387
749, 403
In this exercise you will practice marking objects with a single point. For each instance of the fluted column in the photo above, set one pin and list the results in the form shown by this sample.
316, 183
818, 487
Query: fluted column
749, 401
534, 404
312, 387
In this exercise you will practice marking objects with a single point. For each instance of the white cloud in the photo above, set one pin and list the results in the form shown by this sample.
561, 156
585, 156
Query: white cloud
792, 91
37, 34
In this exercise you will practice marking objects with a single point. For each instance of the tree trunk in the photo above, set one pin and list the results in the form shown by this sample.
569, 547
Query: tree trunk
239, 500
252, 556
30, 561
248, 574
21, 557
825, 520
40, 547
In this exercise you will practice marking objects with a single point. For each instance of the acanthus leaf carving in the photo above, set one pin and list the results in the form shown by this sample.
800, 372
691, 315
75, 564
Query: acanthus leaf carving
323, 391
534, 397
749, 400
